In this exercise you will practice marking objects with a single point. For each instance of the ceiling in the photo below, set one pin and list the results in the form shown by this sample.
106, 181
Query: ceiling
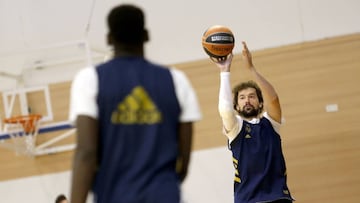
37, 33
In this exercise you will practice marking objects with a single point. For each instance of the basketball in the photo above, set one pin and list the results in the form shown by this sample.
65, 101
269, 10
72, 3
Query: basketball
218, 41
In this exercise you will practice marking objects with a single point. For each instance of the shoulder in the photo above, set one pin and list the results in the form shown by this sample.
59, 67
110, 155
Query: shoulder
177, 74
85, 79
86, 73
186, 96
276, 125
180, 79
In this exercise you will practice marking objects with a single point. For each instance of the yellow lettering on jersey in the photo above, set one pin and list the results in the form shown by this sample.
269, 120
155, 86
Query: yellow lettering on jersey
237, 175
136, 108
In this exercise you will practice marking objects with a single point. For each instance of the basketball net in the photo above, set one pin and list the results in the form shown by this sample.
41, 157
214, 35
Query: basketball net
23, 131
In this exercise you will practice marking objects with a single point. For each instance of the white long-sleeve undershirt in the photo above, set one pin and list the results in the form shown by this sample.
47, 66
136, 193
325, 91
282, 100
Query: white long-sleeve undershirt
231, 122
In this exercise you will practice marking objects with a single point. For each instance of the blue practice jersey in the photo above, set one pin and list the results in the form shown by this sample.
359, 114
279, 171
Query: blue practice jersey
138, 117
260, 171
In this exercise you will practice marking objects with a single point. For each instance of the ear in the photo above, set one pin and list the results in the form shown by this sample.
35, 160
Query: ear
237, 108
109, 39
146, 36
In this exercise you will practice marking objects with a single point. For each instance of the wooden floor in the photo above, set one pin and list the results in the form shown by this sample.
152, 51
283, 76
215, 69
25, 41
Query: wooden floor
322, 149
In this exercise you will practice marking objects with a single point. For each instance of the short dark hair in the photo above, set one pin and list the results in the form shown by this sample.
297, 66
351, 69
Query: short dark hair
127, 24
60, 198
245, 85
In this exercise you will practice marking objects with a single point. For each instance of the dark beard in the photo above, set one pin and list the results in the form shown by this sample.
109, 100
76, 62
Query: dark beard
249, 112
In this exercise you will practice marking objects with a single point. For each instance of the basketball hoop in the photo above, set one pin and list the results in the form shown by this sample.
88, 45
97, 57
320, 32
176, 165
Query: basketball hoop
23, 130
27, 122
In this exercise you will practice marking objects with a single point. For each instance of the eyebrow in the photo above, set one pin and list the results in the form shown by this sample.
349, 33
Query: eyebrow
252, 93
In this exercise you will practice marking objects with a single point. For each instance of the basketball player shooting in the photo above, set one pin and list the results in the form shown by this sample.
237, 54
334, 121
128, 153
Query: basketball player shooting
251, 121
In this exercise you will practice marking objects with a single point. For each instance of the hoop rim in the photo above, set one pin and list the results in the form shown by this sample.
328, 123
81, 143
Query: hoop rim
23, 118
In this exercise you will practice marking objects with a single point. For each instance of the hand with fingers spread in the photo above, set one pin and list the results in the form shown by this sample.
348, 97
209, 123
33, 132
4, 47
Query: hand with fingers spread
246, 55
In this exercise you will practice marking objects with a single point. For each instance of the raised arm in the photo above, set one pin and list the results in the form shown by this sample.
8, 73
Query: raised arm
271, 99
225, 106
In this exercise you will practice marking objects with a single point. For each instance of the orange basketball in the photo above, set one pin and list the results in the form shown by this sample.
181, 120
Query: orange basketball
218, 41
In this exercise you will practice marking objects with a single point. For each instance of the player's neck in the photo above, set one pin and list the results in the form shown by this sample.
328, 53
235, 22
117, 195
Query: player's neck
248, 119
129, 51
252, 117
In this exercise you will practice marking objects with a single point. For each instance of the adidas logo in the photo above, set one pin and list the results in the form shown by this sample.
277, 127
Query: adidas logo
136, 108
247, 136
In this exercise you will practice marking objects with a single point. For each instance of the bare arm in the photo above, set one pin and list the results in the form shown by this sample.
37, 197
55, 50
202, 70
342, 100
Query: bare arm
185, 133
85, 158
271, 99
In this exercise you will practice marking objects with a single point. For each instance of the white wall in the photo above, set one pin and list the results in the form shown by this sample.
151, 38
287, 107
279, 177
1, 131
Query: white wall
210, 180
211, 177
40, 189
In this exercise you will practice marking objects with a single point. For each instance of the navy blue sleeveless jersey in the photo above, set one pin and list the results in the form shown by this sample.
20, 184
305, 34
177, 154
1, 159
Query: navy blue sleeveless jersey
260, 171
138, 118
